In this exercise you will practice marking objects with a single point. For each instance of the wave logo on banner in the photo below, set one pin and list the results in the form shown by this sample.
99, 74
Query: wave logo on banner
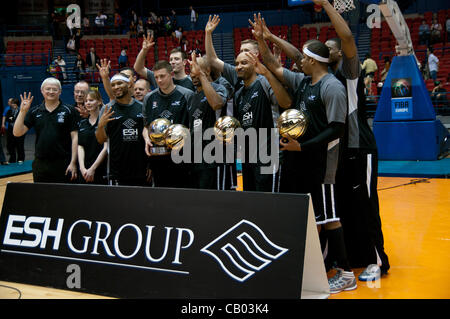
243, 250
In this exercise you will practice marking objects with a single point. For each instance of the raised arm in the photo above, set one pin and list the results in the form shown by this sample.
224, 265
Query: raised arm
214, 99
282, 96
213, 60
344, 33
100, 132
139, 65
270, 61
103, 69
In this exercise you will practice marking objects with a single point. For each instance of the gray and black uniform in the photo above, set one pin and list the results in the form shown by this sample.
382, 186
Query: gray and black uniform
202, 117
357, 176
127, 159
313, 169
53, 148
174, 107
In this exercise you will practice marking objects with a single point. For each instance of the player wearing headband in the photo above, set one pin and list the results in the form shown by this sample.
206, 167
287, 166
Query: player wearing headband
310, 162
121, 124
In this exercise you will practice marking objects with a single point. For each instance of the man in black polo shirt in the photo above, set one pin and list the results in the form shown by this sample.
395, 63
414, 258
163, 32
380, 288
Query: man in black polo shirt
172, 102
209, 98
56, 134
121, 123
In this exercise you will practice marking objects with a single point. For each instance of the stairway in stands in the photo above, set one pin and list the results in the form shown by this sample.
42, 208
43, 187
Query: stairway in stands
223, 44
363, 42
59, 49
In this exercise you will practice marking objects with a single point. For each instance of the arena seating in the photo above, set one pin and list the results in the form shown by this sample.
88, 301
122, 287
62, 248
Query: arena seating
28, 53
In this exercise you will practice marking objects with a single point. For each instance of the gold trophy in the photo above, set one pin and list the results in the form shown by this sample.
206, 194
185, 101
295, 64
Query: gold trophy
292, 123
176, 136
156, 132
224, 128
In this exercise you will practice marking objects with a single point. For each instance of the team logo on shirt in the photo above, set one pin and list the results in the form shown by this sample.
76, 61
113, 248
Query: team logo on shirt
60, 116
247, 119
246, 107
255, 95
155, 105
130, 134
176, 103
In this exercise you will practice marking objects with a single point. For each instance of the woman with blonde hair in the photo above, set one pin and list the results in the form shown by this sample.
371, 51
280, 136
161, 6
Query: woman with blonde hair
91, 154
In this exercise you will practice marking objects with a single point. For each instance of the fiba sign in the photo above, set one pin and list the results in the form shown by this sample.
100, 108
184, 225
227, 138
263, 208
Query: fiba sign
401, 101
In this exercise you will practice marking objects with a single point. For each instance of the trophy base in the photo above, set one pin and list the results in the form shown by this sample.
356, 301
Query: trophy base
159, 150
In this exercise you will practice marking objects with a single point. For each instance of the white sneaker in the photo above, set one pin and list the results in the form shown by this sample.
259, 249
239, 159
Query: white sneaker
371, 273
343, 280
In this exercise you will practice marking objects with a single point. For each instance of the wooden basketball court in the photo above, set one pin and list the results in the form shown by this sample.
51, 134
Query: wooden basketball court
415, 214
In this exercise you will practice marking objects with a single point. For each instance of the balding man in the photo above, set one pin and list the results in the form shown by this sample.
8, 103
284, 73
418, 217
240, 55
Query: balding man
141, 88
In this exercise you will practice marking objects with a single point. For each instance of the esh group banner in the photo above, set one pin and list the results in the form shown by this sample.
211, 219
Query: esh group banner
134, 242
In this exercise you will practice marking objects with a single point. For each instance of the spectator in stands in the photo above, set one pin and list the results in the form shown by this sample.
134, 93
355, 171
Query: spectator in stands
433, 64
369, 67
62, 64
436, 29
91, 60
134, 17
384, 72
118, 22
86, 22
100, 20
79, 68
424, 33
438, 95
56, 135
168, 25
194, 17
14, 145
140, 28
178, 34
123, 58
133, 30
3, 160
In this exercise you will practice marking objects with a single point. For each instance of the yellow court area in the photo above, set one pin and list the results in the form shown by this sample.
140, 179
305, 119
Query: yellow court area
416, 224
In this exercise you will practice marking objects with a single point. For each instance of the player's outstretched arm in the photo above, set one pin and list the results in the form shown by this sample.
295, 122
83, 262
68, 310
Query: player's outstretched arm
343, 31
139, 64
213, 60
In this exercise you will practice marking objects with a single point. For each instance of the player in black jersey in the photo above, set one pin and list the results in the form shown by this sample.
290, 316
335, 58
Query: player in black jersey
91, 154
356, 180
208, 100
310, 162
172, 102
122, 123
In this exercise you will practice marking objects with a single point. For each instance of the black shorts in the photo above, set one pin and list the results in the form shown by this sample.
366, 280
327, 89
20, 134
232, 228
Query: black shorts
50, 171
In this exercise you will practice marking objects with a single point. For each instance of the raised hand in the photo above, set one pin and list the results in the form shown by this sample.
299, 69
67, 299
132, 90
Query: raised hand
26, 101
106, 117
194, 67
257, 31
259, 67
104, 67
148, 42
212, 24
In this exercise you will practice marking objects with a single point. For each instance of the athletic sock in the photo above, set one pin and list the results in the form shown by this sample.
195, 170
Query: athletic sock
336, 248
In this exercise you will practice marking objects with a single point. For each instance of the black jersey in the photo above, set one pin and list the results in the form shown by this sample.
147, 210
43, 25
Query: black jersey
173, 106
253, 109
127, 147
53, 130
87, 139
201, 114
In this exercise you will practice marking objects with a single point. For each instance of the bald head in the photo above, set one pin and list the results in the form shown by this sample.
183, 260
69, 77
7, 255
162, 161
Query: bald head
141, 88
80, 91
